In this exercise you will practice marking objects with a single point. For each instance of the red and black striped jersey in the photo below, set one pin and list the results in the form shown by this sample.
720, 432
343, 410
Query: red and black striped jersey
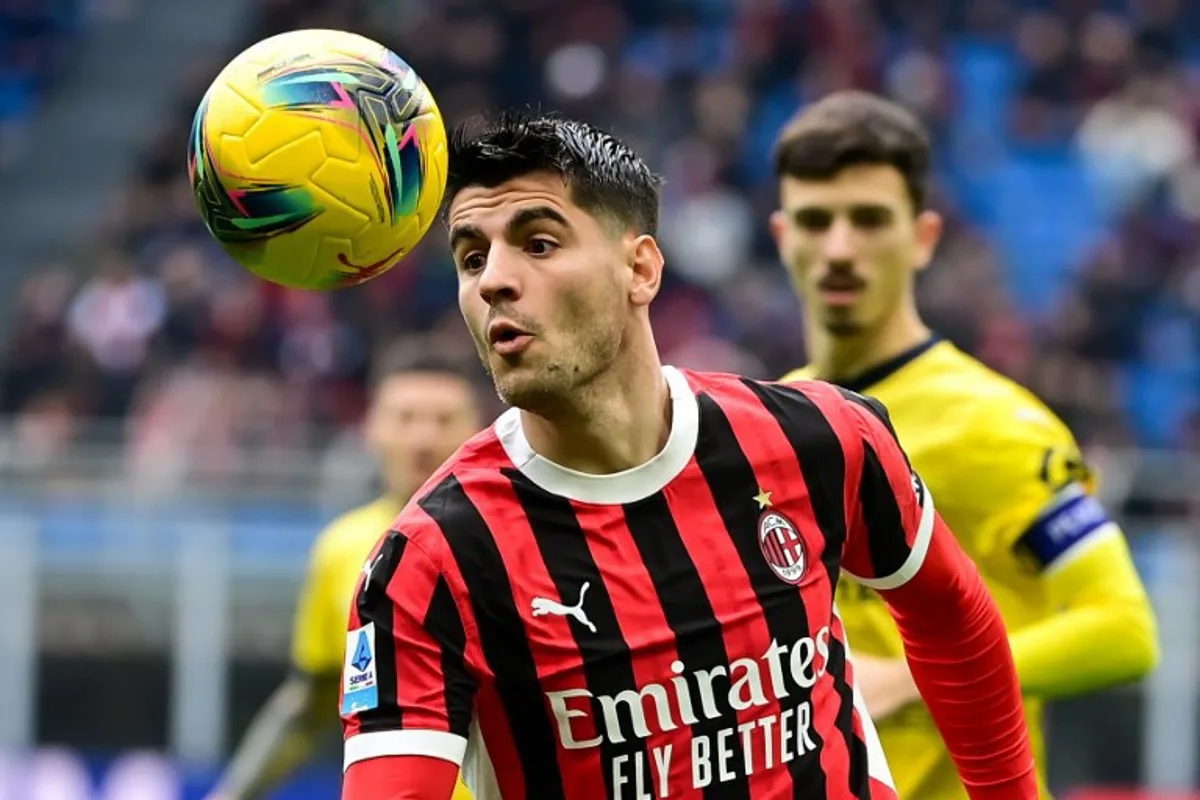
667, 631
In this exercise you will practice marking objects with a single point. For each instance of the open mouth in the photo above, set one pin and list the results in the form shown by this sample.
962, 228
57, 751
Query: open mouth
500, 332
506, 338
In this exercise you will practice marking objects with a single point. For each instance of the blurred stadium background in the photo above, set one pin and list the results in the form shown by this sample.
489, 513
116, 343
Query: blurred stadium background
175, 433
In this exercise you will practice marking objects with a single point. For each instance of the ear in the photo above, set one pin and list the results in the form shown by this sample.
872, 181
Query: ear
646, 265
370, 430
371, 424
779, 228
928, 229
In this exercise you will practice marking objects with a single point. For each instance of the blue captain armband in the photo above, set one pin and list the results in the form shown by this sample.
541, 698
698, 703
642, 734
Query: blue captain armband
1069, 524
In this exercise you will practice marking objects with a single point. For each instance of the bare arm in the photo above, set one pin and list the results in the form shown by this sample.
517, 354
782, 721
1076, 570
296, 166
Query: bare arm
283, 736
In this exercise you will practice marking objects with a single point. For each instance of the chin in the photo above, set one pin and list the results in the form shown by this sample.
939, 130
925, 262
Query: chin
842, 322
528, 392
843, 328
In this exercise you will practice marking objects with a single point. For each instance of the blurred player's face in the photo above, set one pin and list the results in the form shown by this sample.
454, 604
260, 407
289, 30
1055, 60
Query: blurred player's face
545, 288
852, 245
416, 421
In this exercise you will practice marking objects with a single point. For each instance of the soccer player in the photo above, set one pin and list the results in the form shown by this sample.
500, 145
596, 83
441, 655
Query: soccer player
624, 587
854, 230
422, 408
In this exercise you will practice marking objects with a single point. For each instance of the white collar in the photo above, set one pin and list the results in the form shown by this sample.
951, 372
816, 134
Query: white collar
628, 486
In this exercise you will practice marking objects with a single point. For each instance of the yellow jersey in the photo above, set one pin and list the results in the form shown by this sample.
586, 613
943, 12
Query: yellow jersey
335, 562
1011, 483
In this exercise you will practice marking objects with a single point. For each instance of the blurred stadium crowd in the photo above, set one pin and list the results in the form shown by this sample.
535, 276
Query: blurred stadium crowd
1066, 133
1067, 136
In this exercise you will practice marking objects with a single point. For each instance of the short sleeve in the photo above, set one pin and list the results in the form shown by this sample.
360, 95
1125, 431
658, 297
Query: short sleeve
406, 687
888, 538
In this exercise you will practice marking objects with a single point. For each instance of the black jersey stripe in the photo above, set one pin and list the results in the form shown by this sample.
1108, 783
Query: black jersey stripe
607, 659
375, 606
699, 642
501, 633
822, 460
860, 783
872, 404
884, 524
445, 625
731, 479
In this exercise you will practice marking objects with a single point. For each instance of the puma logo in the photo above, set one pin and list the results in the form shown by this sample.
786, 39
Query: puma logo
544, 605
366, 571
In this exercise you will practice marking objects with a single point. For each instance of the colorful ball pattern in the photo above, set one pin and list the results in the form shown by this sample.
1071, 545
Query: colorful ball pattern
318, 159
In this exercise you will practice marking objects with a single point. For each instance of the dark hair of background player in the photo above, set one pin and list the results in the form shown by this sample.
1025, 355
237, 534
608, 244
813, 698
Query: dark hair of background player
605, 177
418, 355
854, 128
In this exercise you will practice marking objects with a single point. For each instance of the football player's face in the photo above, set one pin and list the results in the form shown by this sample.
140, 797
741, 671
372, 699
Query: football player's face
416, 421
540, 287
852, 244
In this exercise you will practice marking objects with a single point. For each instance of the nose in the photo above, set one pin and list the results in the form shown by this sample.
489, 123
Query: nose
421, 434
838, 244
422, 446
500, 280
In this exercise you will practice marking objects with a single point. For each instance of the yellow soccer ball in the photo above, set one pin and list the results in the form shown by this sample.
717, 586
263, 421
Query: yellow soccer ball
318, 159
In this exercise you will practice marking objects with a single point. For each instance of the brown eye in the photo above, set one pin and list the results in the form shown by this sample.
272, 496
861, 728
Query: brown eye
541, 246
473, 262
814, 220
870, 217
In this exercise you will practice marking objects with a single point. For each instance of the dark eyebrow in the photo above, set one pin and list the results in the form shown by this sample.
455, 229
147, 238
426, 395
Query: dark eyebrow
797, 212
831, 208
527, 216
524, 217
464, 232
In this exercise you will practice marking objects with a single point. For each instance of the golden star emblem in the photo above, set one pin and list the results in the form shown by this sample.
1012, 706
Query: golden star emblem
763, 498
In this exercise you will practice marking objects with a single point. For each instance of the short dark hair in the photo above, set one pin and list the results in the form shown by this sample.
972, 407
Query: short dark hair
602, 173
852, 128
417, 354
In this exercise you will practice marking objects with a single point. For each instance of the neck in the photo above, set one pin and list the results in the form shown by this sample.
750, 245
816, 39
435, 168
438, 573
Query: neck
836, 358
621, 421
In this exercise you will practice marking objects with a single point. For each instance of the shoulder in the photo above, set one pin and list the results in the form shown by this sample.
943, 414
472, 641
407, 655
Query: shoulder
356, 529
448, 503
726, 386
780, 399
995, 453
810, 413
1002, 420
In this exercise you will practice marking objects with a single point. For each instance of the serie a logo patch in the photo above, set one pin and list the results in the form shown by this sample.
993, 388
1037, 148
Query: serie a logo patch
360, 685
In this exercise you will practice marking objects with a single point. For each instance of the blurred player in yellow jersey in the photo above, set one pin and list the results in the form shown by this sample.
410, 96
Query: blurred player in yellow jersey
421, 410
853, 231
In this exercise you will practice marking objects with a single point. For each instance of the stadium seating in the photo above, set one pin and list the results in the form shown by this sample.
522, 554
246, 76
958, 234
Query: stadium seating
1077, 240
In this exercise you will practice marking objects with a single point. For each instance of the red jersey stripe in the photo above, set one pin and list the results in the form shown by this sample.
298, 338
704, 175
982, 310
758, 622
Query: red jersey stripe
820, 450
730, 473
744, 628
419, 677
522, 751
502, 512
490, 715
644, 626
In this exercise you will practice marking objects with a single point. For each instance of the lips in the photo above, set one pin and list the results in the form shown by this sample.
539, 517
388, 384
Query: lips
508, 339
501, 331
842, 283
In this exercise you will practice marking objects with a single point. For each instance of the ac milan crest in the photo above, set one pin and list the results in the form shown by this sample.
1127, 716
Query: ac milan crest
782, 546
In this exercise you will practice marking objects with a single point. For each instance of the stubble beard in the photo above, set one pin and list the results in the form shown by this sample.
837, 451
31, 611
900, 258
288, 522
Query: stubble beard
843, 329
555, 388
